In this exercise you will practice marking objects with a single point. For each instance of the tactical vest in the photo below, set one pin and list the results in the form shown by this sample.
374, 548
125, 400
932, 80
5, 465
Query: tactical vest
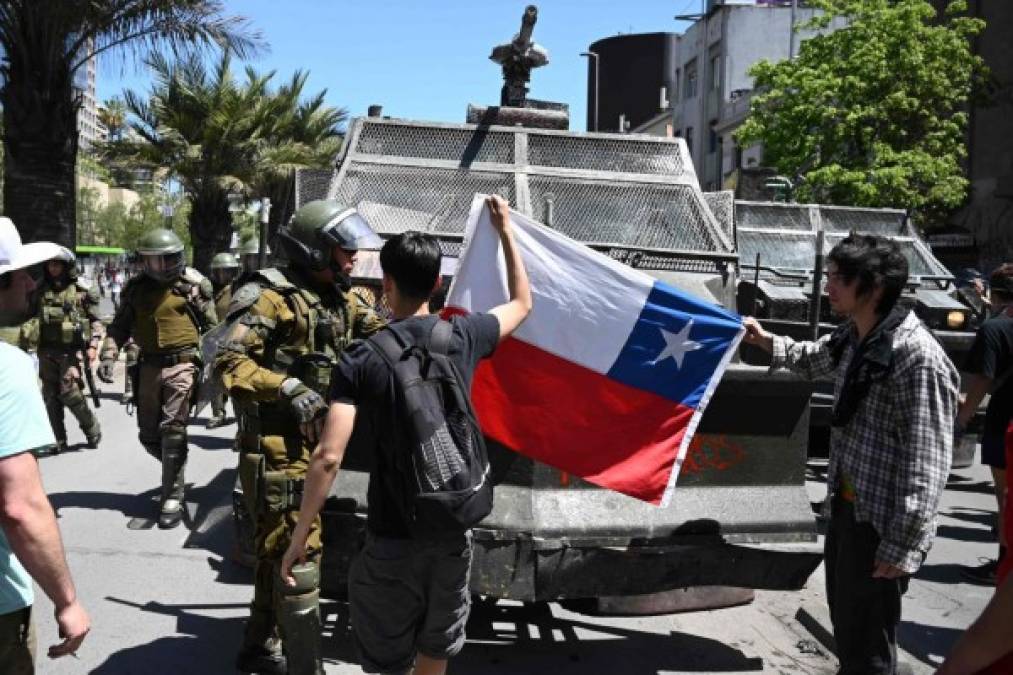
63, 321
310, 351
165, 318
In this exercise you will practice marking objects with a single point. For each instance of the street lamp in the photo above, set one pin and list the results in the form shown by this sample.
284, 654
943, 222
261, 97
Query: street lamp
596, 80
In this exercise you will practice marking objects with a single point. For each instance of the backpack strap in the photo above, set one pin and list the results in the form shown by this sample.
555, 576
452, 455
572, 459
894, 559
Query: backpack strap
439, 337
386, 345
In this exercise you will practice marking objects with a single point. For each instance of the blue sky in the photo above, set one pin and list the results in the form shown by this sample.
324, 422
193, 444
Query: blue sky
428, 59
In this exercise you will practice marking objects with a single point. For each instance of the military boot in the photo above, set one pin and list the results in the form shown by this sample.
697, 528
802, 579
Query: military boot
261, 651
173, 460
298, 609
217, 419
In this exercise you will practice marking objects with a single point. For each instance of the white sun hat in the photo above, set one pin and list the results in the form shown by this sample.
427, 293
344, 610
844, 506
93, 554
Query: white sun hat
15, 256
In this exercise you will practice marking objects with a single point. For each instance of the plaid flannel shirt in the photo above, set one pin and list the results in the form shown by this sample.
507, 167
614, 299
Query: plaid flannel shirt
898, 446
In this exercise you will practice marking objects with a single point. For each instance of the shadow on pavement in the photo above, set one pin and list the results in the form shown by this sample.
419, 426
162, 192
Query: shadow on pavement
959, 533
207, 442
947, 573
211, 527
133, 506
981, 486
528, 638
206, 646
928, 644
979, 516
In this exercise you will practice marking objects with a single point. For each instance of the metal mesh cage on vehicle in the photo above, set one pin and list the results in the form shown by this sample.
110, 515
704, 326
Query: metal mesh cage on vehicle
601, 189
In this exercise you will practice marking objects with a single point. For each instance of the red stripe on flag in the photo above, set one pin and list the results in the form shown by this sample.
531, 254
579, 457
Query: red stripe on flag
556, 412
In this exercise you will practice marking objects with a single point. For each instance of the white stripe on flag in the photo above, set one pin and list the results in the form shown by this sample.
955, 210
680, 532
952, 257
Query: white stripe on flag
585, 303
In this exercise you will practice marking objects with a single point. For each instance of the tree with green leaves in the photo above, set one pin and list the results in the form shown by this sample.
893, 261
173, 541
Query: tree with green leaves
875, 113
303, 134
113, 116
45, 43
219, 135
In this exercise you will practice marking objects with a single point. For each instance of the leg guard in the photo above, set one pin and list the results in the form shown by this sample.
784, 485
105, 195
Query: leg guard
74, 399
298, 610
261, 650
174, 450
54, 408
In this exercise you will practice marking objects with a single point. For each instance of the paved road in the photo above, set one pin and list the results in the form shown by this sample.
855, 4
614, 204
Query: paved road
172, 602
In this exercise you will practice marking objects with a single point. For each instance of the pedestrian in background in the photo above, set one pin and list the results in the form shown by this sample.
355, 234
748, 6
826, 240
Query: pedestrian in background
990, 365
409, 598
30, 544
891, 443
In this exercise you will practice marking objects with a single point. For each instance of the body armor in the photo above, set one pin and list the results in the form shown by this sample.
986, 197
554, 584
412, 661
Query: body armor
168, 318
63, 319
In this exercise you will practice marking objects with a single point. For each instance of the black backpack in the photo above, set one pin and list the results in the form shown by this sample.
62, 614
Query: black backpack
442, 457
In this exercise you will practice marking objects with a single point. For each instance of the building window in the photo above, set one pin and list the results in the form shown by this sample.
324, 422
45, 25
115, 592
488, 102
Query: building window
712, 142
689, 83
715, 73
689, 139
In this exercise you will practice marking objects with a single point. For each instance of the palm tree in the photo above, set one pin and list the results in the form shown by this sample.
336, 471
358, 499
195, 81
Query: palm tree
113, 116
305, 134
218, 135
204, 127
44, 44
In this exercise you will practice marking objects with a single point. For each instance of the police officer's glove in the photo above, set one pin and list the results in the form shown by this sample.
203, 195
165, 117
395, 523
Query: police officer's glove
308, 406
105, 371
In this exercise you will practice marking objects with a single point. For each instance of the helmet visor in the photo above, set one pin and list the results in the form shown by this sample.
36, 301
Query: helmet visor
164, 266
352, 233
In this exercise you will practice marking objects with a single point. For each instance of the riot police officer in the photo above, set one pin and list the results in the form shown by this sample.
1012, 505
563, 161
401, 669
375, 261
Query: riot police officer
224, 271
67, 324
165, 310
290, 326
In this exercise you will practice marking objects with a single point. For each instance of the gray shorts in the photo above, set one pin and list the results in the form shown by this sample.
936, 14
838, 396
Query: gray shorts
407, 596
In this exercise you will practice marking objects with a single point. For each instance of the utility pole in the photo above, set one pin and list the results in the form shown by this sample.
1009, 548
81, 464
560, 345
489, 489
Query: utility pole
593, 55
791, 30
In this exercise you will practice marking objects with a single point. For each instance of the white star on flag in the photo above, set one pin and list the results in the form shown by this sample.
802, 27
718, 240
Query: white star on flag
676, 345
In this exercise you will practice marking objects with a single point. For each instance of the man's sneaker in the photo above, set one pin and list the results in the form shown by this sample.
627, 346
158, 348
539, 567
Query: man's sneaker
983, 574
262, 661
215, 422
93, 441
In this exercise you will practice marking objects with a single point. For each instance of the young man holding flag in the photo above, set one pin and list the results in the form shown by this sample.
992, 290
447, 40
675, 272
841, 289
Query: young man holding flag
895, 401
409, 597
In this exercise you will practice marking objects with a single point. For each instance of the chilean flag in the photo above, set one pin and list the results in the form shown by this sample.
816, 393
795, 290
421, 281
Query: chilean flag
610, 373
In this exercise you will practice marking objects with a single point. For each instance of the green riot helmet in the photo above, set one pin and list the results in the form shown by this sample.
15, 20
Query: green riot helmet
249, 254
224, 268
320, 226
161, 254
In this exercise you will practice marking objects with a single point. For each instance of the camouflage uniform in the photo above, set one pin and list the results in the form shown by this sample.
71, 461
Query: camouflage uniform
67, 323
165, 317
287, 328
224, 269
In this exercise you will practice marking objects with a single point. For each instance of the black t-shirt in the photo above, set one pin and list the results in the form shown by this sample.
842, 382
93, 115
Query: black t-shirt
991, 355
363, 379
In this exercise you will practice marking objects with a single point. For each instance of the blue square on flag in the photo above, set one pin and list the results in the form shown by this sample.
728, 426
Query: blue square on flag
676, 346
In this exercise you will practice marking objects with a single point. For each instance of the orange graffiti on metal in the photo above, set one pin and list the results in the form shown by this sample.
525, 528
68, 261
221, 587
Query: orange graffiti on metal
712, 452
